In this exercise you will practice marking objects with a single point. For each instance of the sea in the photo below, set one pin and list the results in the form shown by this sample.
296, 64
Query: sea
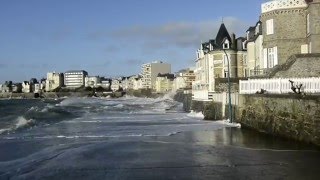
138, 138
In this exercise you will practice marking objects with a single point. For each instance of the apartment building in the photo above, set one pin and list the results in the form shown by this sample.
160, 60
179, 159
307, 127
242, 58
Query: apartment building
75, 79
150, 71
164, 83
184, 79
54, 81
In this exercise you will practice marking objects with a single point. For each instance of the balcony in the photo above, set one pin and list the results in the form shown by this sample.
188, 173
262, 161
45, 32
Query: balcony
282, 4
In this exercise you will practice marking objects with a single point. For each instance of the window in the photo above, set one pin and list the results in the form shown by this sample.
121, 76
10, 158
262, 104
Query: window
309, 47
270, 57
226, 44
308, 23
225, 59
244, 59
270, 27
225, 73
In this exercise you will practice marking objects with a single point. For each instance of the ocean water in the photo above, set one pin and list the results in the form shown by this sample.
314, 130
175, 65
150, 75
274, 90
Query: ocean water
137, 138
98, 117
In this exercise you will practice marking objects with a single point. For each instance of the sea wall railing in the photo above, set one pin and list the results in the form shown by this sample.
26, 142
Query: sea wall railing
279, 86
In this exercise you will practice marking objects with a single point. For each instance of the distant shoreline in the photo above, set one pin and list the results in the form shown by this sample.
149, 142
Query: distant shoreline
51, 95
55, 95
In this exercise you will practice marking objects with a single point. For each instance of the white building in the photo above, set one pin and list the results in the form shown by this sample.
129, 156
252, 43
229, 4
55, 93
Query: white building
115, 85
92, 81
164, 83
150, 72
255, 60
137, 83
75, 79
105, 83
54, 81
26, 87
184, 79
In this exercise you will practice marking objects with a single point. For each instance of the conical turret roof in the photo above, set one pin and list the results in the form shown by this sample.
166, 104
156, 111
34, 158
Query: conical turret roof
222, 34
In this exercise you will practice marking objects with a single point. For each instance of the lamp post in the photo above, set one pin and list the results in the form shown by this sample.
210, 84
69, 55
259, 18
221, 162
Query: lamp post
229, 87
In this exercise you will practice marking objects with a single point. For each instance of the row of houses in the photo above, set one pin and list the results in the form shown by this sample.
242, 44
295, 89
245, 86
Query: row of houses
285, 30
155, 76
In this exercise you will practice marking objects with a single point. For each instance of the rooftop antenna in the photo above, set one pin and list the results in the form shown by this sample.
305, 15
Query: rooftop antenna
222, 20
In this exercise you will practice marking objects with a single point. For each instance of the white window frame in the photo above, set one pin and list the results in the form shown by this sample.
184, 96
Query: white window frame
270, 26
227, 43
309, 48
270, 57
308, 23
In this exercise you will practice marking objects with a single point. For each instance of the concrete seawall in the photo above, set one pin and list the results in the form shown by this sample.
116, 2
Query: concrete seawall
289, 116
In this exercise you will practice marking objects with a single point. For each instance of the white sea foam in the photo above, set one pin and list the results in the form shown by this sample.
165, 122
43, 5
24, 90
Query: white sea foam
4, 130
196, 115
21, 122
227, 122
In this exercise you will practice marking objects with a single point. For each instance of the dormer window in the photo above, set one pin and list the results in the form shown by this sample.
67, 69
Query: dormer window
226, 44
257, 29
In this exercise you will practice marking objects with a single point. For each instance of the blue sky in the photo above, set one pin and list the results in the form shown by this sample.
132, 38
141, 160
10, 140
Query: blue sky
110, 37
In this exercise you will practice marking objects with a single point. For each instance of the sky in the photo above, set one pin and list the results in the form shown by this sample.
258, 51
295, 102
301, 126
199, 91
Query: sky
111, 37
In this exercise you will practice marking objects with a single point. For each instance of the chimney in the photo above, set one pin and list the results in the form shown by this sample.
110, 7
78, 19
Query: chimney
233, 41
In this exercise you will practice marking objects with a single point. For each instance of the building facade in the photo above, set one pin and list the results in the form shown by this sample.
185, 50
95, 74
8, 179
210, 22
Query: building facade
75, 79
289, 27
184, 79
255, 64
150, 72
164, 83
214, 60
54, 81
92, 81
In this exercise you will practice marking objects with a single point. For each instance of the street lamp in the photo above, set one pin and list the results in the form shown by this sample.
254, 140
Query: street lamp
229, 88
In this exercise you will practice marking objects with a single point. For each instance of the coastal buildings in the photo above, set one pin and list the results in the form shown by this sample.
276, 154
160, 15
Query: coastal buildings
255, 63
92, 81
75, 79
184, 79
150, 71
26, 87
116, 84
54, 80
289, 27
6, 87
164, 83
137, 82
213, 59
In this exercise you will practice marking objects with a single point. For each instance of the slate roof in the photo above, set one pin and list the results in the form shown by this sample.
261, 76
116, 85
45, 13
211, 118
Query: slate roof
222, 34
169, 76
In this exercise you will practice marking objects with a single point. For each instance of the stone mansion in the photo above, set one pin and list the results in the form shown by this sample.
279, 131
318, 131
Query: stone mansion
286, 30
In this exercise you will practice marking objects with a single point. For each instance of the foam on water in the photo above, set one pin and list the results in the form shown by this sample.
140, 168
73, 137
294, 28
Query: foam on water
196, 115
22, 122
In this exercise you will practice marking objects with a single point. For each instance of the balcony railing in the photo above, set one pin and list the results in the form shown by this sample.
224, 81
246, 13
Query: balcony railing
282, 4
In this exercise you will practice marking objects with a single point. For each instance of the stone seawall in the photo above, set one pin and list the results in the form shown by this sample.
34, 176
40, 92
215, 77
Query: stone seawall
185, 99
289, 116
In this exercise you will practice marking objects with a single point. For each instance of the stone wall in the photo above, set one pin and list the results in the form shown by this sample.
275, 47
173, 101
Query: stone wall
299, 66
294, 117
289, 32
314, 35
185, 99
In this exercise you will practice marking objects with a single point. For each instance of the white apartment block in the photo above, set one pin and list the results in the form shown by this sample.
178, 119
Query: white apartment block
150, 72
75, 79
92, 81
54, 80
